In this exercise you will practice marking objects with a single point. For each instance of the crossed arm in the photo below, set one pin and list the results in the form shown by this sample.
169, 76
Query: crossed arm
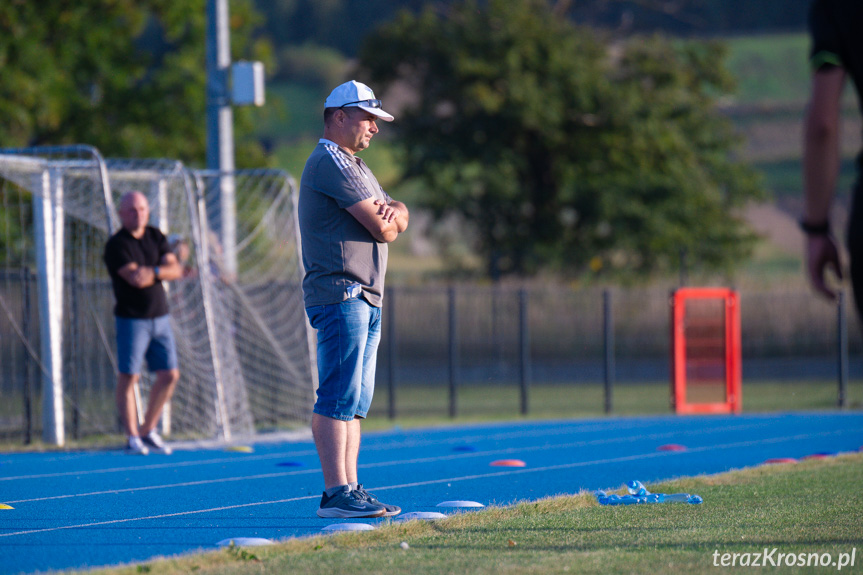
144, 276
383, 221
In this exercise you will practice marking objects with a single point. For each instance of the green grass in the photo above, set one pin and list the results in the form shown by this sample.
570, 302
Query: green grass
772, 68
423, 405
812, 507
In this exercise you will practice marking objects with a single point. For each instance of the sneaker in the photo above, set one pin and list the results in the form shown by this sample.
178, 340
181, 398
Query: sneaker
155, 442
390, 509
134, 446
349, 503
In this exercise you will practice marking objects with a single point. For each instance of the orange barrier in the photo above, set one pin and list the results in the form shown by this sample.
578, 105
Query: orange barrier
705, 351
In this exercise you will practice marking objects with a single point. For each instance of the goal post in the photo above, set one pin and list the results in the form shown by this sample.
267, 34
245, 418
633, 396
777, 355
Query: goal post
705, 351
245, 348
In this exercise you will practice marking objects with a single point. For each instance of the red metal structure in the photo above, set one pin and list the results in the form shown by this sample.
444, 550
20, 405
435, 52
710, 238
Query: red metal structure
705, 350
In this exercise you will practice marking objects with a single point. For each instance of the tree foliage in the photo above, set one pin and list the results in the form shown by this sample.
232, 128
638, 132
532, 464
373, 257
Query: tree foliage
693, 17
564, 150
335, 23
124, 75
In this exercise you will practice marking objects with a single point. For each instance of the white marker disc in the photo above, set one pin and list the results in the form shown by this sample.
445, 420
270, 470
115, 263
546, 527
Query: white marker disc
460, 504
422, 515
349, 527
245, 542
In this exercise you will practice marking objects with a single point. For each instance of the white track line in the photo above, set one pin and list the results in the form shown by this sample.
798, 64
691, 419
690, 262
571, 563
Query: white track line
389, 446
170, 485
414, 461
516, 471
171, 465
547, 432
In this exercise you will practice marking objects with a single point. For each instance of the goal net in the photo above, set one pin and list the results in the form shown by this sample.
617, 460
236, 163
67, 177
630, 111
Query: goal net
242, 339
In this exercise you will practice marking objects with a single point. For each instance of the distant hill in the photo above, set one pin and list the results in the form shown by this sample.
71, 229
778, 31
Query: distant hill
340, 24
694, 17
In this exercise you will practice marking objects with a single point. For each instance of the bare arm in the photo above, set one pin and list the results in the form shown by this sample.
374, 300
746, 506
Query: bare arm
821, 158
821, 144
384, 222
144, 276
403, 217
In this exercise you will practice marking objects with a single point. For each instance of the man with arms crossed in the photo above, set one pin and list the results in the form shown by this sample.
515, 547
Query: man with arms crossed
346, 222
139, 259
836, 27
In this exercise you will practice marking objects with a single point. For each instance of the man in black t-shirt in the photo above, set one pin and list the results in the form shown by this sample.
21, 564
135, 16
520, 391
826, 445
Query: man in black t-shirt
836, 27
139, 259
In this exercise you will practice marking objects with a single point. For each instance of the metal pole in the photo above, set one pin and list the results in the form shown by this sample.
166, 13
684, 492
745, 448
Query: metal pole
28, 389
608, 329
391, 350
524, 349
220, 128
73, 357
499, 367
842, 329
672, 351
47, 217
683, 266
453, 351
160, 218
223, 422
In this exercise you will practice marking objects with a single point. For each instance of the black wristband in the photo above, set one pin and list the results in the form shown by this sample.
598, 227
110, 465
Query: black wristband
821, 229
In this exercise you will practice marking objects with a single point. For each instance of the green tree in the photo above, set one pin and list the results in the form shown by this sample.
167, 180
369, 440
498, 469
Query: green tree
335, 24
123, 75
563, 149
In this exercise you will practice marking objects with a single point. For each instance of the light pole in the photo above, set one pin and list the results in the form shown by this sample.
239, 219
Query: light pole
220, 130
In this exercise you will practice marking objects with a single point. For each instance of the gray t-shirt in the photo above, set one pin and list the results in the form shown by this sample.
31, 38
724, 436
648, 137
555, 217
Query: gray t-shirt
341, 258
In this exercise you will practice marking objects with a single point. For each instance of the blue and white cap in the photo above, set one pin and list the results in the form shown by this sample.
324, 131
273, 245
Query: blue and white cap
356, 94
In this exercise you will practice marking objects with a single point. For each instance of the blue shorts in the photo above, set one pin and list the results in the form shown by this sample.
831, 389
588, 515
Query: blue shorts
348, 336
140, 338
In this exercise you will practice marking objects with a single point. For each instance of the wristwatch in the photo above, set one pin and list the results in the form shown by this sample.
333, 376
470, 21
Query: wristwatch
821, 229
156, 272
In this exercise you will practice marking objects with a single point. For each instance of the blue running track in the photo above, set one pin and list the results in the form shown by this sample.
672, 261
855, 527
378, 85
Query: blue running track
96, 508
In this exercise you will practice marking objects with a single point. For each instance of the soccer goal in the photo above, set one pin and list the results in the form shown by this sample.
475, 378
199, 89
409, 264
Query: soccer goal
705, 363
244, 345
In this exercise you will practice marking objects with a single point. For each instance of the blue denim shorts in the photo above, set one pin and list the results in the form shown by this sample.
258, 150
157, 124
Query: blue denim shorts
348, 336
140, 338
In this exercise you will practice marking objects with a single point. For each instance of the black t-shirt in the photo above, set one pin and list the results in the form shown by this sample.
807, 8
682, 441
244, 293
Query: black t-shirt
123, 248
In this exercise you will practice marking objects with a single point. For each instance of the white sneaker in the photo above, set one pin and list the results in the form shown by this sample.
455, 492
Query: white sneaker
155, 442
134, 446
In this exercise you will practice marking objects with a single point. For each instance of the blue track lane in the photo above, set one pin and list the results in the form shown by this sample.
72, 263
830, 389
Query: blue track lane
86, 509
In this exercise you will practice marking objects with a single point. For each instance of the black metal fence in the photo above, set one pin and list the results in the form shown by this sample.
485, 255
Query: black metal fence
89, 376
458, 338
446, 346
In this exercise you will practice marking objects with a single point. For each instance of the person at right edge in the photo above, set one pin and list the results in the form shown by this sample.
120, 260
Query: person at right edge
346, 221
836, 28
